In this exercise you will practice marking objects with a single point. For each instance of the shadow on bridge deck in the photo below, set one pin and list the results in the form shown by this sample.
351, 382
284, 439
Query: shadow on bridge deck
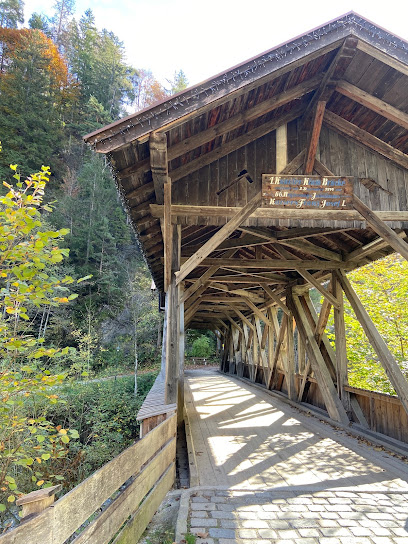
244, 438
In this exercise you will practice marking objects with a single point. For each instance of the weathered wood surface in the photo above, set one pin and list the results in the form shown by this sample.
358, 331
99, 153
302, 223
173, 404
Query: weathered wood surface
57, 523
206, 212
246, 438
153, 404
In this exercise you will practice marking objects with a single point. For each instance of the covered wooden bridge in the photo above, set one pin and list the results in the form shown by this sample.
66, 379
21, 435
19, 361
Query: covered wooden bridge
279, 175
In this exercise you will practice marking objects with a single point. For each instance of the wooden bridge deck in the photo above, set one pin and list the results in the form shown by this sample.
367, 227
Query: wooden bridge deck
245, 438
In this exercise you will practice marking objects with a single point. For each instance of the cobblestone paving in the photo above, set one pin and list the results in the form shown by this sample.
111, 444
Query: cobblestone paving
288, 517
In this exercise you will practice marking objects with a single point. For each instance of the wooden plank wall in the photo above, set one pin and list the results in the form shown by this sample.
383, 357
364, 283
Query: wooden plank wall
340, 155
148, 469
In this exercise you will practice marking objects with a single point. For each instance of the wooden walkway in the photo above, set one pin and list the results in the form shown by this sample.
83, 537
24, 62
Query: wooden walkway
242, 437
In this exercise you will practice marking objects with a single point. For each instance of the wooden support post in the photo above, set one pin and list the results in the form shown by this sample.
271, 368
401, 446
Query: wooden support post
273, 379
381, 228
37, 501
180, 388
290, 365
167, 235
326, 385
391, 367
314, 137
164, 342
173, 314
217, 238
341, 346
281, 147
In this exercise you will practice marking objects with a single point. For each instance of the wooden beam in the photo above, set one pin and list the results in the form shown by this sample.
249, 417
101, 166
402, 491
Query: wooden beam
158, 163
310, 279
234, 243
234, 324
353, 131
383, 230
336, 70
391, 367
294, 164
167, 235
276, 264
257, 311
308, 247
371, 247
314, 136
241, 316
290, 358
321, 169
341, 346
208, 212
281, 147
375, 104
326, 386
234, 144
173, 325
244, 117
250, 279
383, 57
280, 337
275, 298
217, 238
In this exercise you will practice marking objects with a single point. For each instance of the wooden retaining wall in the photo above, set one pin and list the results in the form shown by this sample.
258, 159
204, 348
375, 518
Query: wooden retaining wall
147, 468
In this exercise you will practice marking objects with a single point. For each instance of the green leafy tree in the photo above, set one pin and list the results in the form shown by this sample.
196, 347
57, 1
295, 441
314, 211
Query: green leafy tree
382, 287
35, 93
11, 13
28, 255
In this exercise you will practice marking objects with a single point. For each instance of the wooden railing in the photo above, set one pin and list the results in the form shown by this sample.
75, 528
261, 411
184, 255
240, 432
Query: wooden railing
148, 470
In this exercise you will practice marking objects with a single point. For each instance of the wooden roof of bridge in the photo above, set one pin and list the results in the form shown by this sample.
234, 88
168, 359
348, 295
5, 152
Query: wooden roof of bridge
359, 69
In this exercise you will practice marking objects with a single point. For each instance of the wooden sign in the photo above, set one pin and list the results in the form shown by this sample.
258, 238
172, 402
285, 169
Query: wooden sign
308, 192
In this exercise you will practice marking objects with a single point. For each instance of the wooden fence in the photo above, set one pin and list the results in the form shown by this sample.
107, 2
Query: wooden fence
147, 468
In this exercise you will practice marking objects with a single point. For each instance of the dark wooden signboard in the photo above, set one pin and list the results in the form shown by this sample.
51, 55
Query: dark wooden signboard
307, 192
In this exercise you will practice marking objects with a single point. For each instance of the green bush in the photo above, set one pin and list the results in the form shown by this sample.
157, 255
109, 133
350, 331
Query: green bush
201, 347
104, 413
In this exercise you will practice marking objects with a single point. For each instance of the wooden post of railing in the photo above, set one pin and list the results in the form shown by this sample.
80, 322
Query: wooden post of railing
37, 501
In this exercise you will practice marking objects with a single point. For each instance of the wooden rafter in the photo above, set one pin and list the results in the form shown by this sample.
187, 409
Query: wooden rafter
371, 247
234, 144
372, 142
336, 70
373, 103
308, 247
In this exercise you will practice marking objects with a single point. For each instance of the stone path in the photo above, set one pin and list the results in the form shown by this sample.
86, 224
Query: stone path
296, 515
265, 472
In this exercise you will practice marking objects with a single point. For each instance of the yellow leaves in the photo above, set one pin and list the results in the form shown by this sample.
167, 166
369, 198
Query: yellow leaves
40, 483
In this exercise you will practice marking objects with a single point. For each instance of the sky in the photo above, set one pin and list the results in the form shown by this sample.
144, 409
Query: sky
204, 38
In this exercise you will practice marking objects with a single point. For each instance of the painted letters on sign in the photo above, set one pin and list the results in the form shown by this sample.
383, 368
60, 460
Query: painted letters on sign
308, 192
